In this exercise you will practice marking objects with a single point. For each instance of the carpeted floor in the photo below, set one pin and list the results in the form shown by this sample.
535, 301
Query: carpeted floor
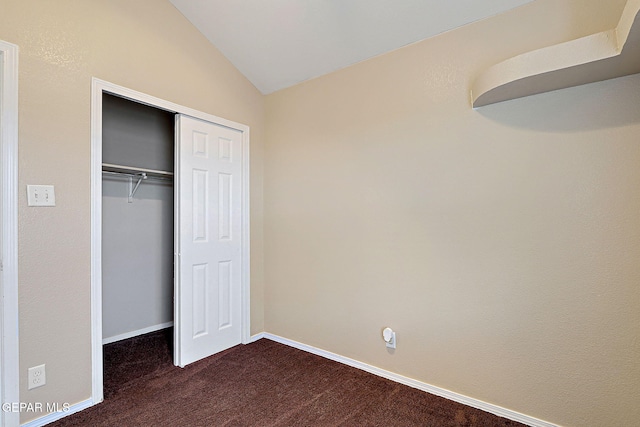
260, 384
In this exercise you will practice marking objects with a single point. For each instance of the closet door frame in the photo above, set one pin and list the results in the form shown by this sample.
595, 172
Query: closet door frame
98, 87
9, 353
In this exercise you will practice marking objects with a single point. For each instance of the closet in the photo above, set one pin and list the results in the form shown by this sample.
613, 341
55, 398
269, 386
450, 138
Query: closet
174, 243
138, 143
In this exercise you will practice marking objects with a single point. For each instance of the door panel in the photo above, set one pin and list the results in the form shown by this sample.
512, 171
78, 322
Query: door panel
208, 239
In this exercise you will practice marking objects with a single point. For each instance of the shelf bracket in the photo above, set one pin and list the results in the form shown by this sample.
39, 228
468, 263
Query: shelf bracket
132, 188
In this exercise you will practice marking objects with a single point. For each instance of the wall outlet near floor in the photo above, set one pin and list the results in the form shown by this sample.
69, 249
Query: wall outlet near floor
37, 377
389, 337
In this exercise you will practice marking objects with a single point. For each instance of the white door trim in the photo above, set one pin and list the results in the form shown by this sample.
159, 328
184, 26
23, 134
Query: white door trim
97, 88
9, 355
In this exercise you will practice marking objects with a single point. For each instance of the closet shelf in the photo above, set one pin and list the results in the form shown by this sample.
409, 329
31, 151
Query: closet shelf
131, 170
602, 56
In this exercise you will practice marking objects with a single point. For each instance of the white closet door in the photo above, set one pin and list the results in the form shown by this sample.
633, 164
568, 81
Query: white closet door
208, 239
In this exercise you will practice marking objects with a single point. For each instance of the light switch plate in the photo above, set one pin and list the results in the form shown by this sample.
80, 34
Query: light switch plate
41, 195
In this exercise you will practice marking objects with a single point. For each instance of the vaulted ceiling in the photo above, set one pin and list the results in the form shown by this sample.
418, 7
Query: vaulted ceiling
279, 43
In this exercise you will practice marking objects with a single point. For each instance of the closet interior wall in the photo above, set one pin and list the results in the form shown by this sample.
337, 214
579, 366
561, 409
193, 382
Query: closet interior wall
137, 236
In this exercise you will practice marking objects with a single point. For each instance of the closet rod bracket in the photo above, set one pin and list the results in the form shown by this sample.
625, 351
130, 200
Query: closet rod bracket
132, 188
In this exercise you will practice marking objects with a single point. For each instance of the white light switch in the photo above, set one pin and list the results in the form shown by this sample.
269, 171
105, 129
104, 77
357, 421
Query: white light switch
41, 195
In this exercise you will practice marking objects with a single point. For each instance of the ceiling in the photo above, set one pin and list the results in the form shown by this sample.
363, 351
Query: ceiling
279, 43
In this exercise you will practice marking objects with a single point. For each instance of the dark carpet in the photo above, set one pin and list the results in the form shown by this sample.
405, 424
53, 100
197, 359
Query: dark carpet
259, 384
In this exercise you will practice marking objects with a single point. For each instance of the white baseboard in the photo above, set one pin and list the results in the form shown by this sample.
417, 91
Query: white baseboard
131, 334
256, 337
447, 394
55, 416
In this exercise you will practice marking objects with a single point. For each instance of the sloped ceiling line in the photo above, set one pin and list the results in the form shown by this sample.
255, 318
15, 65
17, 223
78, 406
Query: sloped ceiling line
279, 43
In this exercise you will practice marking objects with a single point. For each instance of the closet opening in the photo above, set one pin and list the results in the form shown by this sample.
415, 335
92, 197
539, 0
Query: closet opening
137, 239
169, 232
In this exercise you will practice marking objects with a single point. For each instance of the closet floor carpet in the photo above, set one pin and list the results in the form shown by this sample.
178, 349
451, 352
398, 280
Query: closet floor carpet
260, 384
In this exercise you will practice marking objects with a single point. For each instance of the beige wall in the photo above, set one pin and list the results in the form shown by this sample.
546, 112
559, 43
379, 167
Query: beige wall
502, 244
144, 45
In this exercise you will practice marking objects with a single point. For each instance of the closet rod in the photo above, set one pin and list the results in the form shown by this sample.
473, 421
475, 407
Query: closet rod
138, 175
131, 173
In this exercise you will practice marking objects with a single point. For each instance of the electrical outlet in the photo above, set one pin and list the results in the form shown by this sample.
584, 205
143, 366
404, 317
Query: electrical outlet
392, 341
37, 377
389, 337
41, 195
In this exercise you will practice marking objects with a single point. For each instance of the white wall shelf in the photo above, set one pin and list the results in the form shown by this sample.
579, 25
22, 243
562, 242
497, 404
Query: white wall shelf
602, 56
